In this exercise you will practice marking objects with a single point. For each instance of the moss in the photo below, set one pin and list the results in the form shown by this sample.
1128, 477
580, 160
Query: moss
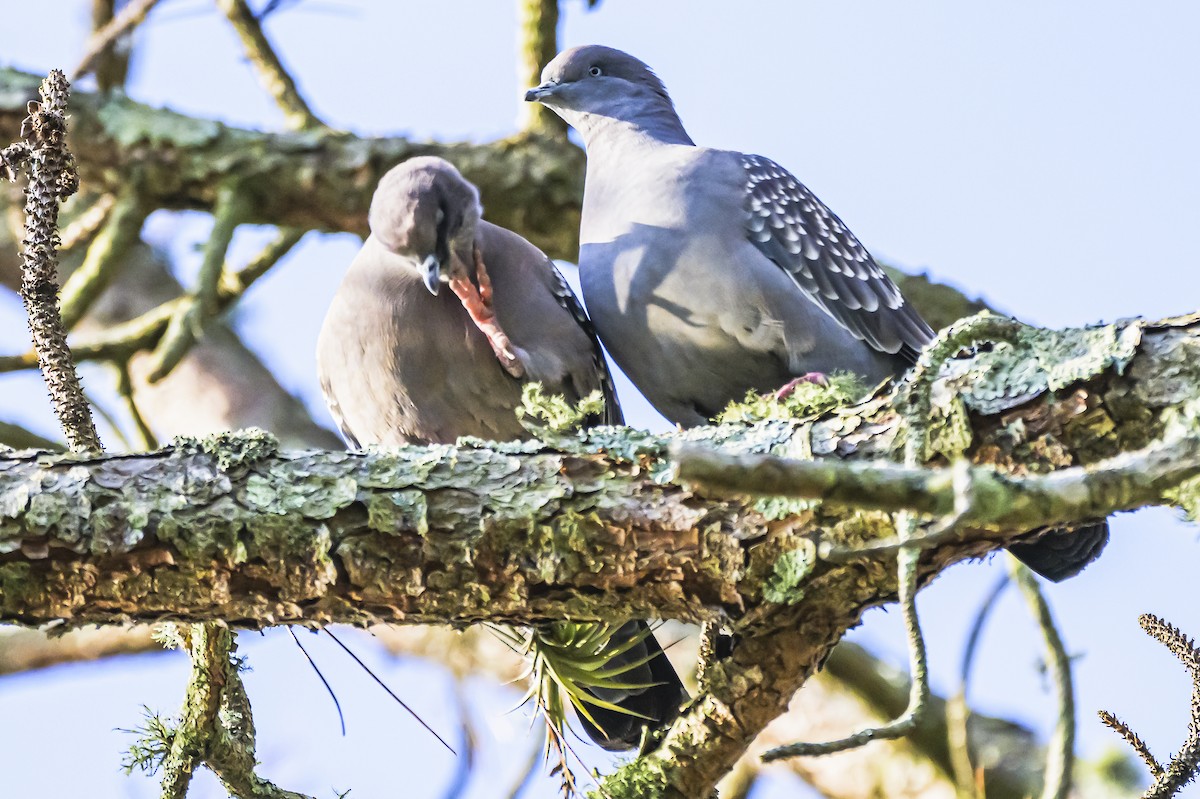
642, 778
19, 587
805, 400
131, 124
789, 573
541, 413
397, 511
1187, 497
232, 450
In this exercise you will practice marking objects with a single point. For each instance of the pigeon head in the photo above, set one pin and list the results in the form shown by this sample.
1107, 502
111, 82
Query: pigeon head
426, 212
593, 86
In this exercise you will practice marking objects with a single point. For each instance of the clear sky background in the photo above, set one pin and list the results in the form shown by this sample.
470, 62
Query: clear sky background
1042, 155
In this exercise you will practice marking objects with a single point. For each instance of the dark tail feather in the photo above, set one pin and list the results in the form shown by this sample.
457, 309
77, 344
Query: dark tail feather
657, 705
1060, 554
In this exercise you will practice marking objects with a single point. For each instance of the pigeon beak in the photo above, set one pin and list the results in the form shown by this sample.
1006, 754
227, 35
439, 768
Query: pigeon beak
431, 273
536, 94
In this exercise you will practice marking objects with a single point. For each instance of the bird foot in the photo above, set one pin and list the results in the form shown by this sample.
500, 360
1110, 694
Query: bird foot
477, 300
817, 378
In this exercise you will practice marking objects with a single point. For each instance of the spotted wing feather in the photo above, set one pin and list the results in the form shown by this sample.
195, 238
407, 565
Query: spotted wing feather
802, 236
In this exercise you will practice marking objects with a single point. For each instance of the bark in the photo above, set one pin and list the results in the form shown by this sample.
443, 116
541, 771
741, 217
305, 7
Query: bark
589, 528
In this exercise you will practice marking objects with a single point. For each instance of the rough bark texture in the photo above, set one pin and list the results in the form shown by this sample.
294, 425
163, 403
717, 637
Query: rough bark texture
591, 528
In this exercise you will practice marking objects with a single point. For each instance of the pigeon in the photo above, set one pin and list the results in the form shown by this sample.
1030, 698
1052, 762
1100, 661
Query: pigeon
709, 273
440, 321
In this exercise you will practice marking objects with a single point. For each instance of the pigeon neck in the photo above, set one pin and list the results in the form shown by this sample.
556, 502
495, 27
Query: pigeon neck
659, 124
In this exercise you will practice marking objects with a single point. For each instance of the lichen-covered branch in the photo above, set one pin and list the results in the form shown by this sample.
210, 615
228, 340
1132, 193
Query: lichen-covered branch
308, 179
537, 44
104, 39
121, 230
198, 307
1060, 753
215, 727
587, 528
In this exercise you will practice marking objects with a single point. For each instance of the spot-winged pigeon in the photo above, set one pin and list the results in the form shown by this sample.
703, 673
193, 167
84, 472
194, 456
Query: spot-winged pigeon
401, 361
708, 273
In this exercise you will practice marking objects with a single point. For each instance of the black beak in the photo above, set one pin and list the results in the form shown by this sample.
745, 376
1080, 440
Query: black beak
431, 273
535, 94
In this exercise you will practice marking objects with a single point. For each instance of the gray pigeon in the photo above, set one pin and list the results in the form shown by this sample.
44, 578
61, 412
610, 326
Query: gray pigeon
709, 273
402, 361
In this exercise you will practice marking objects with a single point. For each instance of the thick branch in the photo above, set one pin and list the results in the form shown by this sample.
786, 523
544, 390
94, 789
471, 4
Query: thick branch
305, 180
236, 531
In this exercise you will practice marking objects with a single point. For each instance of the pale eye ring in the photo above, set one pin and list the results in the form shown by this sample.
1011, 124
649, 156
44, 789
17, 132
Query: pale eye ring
595, 72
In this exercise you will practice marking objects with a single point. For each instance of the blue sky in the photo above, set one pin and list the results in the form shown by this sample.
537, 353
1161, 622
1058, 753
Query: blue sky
1042, 155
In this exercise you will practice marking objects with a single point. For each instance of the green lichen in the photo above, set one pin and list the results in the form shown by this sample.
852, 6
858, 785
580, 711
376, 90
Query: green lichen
18, 587
779, 508
949, 429
541, 413
155, 735
1004, 374
398, 510
231, 450
1186, 496
642, 778
805, 400
791, 569
130, 124
295, 491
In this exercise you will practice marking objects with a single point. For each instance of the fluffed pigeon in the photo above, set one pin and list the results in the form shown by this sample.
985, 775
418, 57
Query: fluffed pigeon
709, 273
402, 361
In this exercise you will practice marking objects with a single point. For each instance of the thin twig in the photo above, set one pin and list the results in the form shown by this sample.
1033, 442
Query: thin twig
328, 688
274, 76
52, 178
202, 304
120, 342
916, 409
918, 691
958, 711
147, 441
1182, 769
104, 257
1123, 482
1140, 748
465, 765
111, 67
132, 15
84, 226
1060, 752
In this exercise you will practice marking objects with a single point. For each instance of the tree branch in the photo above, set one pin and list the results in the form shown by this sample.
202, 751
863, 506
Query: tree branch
271, 72
537, 44
582, 528
104, 39
306, 180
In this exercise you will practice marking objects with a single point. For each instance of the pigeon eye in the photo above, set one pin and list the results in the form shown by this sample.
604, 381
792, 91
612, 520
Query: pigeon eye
595, 72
